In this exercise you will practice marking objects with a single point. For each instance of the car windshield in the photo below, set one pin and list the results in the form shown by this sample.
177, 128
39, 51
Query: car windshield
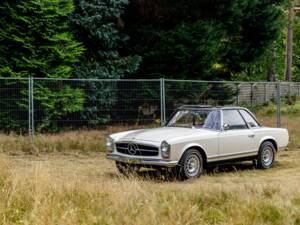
200, 118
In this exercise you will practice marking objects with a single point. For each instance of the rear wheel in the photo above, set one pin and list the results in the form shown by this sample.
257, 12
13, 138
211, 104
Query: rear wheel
191, 165
266, 155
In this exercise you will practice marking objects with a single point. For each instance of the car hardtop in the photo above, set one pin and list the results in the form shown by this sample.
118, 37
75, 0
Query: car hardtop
197, 107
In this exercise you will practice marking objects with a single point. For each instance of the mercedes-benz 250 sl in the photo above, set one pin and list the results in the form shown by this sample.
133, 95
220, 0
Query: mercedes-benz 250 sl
194, 138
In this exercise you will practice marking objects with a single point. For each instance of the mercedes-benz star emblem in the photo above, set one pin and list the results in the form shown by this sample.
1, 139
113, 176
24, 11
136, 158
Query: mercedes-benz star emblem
132, 149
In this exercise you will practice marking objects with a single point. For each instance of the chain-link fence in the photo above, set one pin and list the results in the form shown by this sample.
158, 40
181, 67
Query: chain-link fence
37, 105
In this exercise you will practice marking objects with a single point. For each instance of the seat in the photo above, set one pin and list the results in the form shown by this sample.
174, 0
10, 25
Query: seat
212, 121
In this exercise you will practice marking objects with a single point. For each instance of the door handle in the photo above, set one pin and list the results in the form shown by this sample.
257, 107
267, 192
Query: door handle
251, 136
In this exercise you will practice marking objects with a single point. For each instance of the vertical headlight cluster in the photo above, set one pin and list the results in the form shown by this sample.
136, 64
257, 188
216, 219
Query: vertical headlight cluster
109, 144
165, 149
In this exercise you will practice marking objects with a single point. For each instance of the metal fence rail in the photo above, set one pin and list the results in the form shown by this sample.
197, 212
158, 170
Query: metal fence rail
36, 105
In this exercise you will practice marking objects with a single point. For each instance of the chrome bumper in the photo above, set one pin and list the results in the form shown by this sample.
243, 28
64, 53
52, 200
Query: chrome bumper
131, 160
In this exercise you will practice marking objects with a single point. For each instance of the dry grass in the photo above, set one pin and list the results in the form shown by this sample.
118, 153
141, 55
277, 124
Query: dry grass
69, 141
86, 189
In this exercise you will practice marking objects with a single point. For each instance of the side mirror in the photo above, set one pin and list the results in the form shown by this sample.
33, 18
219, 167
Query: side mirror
226, 126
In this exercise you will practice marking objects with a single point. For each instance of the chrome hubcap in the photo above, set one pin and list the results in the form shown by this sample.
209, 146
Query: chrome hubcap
267, 156
192, 165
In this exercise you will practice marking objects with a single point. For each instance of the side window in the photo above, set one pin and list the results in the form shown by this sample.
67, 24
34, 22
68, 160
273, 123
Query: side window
234, 119
249, 119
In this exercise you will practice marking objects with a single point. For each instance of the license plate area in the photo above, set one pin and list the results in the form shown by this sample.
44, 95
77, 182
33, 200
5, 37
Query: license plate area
132, 161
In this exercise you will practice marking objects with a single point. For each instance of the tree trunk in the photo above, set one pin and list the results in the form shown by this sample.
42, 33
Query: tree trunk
289, 44
271, 75
271, 72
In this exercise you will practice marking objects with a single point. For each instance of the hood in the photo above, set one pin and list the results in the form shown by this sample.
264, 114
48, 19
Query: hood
164, 133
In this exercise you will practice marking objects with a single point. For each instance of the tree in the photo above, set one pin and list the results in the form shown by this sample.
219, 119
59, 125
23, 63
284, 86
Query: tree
35, 41
187, 51
289, 43
230, 35
269, 66
98, 25
296, 47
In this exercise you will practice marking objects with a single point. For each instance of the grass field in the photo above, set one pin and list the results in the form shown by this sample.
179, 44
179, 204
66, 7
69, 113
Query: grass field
67, 180
86, 189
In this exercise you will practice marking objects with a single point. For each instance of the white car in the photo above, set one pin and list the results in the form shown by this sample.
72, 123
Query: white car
196, 137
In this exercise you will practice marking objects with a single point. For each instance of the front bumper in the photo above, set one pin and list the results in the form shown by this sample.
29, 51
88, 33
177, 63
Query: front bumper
142, 161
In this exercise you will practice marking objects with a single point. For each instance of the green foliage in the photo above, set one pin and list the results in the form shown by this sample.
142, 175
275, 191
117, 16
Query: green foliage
201, 39
251, 26
56, 105
187, 51
269, 66
290, 99
116, 39
296, 48
36, 41
97, 25
14, 105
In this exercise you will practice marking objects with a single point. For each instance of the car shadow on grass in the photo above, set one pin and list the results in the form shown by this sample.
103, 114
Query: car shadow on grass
230, 168
167, 175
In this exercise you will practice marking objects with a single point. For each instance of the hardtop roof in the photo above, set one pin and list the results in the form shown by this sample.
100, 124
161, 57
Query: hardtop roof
209, 106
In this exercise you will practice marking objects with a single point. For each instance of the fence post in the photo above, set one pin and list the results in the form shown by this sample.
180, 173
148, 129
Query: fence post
237, 94
278, 104
29, 107
266, 92
32, 112
162, 102
251, 94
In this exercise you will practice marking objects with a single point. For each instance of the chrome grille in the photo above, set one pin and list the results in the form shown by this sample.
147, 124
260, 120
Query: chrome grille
129, 148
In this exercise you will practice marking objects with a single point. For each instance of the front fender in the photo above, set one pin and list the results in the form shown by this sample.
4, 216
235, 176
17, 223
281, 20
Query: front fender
191, 145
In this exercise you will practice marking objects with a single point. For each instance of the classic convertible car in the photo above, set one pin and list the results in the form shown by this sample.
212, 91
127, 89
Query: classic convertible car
194, 138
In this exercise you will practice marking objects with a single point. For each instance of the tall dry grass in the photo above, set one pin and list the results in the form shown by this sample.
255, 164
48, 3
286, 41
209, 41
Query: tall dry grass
43, 191
78, 140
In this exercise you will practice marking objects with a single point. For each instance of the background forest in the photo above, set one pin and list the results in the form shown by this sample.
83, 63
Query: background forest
134, 39
197, 39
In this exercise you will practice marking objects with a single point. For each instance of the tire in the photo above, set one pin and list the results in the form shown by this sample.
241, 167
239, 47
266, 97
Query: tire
266, 155
191, 165
127, 169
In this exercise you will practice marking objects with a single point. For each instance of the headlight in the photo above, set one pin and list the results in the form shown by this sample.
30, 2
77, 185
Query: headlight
109, 144
165, 149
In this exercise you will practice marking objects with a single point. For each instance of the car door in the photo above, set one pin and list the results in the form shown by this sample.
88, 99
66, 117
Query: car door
254, 126
235, 139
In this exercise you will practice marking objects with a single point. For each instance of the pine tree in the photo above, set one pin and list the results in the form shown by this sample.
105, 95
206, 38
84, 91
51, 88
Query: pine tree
201, 39
35, 41
98, 25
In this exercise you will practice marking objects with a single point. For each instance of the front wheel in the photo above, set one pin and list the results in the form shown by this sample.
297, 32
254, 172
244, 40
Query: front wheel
266, 155
191, 165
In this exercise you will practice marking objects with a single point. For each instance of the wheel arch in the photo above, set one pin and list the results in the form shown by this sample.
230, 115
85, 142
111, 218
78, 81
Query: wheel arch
270, 139
197, 147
